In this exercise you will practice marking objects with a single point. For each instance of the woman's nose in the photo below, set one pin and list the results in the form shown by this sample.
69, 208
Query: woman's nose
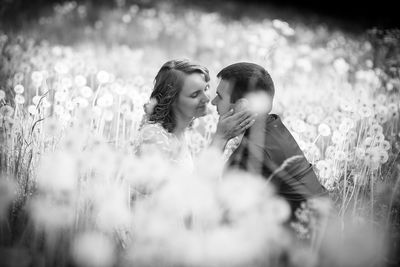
206, 98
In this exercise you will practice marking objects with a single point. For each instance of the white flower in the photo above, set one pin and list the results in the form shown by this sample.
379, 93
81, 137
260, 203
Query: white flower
2, 94
81, 102
337, 137
36, 99
19, 99
329, 151
105, 100
32, 109
324, 129
61, 68
341, 66
80, 80
50, 176
119, 89
259, 102
384, 156
19, 89
325, 169
385, 145
6, 111
86, 91
103, 77
93, 249
37, 77
8, 189
299, 126
365, 112
50, 214
339, 155
60, 96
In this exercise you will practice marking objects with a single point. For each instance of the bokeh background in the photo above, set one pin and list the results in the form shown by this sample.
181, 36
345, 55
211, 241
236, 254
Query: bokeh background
74, 76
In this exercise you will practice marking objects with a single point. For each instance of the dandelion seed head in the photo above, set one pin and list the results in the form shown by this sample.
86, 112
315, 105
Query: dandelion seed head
93, 249
46, 103
105, 100
32, 110
80, 80
210, 164
259, 102
253, 193
19, 99
341, 66
37, 77
49, 176
103, 77
385, 145
36, 99
8, 193
50, 214
324, 129
337, 137
365, 112
60, 96
19, 89
6, 111
2, 94
61, 68
384, 156
86, 91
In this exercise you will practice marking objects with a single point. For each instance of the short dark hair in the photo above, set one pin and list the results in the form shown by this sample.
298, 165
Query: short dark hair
245, 78
167, 85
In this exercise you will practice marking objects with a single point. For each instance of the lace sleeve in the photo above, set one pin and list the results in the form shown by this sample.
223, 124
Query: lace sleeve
153, 138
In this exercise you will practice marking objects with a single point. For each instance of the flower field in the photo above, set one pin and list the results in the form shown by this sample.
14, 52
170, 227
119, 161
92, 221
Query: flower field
73, 192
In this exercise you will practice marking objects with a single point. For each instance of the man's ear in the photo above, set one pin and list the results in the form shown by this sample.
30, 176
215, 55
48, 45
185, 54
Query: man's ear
241, 104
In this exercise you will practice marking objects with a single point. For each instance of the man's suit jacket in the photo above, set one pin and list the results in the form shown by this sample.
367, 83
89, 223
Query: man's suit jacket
264, 147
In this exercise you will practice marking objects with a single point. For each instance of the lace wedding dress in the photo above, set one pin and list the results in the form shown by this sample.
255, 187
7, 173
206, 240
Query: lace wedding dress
153, 138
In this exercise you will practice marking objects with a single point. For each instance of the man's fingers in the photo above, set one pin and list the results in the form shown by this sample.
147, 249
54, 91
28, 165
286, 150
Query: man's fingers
241, 115
247, 123
227, 114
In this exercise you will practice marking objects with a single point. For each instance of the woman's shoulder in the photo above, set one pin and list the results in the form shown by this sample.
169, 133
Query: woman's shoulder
153, 131
153, 127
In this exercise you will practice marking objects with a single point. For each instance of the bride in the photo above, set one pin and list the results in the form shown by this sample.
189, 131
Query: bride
180, 95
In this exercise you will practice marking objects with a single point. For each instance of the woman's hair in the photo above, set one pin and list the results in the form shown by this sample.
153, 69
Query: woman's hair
167, 85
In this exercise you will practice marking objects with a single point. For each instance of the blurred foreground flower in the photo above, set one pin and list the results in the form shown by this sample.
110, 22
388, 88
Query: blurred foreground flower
8, 192
93, 249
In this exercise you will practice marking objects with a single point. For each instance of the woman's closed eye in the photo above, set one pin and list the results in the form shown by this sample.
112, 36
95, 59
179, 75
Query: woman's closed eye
195, 94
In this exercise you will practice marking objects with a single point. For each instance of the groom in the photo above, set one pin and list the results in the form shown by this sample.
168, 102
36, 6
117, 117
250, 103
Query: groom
267, 144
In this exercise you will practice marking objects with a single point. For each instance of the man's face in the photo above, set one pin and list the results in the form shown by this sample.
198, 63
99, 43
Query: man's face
222, 100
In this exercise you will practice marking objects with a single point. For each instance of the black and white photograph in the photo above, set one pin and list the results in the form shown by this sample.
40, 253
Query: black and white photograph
184, 133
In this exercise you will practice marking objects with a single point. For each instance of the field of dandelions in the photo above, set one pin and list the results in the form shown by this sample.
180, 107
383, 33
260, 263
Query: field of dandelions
73, 193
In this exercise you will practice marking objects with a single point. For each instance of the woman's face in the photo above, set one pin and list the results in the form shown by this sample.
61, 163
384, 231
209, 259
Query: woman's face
193, 98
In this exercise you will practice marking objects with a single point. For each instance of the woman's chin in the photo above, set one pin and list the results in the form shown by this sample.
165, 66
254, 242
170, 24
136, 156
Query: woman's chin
202, 113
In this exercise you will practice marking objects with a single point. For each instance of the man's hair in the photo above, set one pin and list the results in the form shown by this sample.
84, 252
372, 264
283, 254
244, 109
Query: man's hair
167, 85
246, 78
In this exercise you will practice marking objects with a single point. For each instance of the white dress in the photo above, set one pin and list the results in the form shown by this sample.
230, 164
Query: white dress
153, 138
